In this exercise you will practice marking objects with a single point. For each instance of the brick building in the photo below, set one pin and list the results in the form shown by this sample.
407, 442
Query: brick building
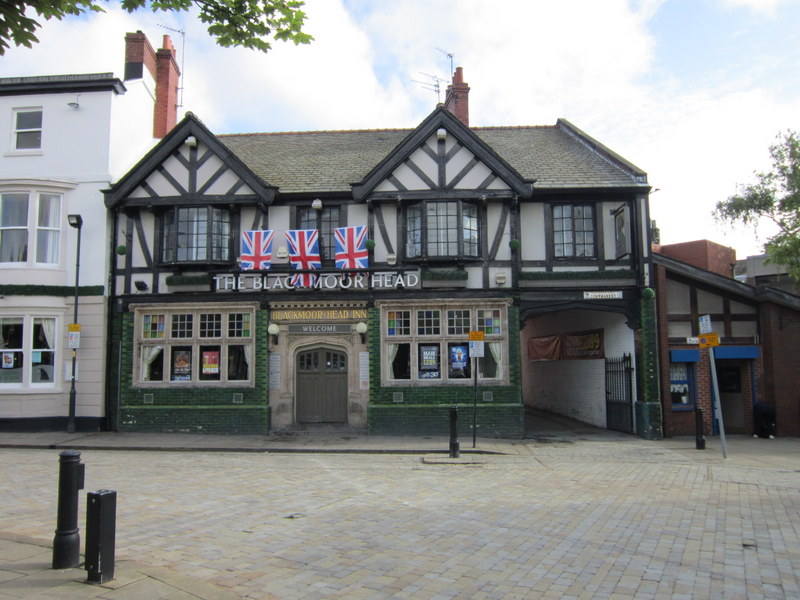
759, 329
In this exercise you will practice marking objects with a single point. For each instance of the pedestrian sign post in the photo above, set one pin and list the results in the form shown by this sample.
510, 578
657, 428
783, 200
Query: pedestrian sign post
475, 352
709, 339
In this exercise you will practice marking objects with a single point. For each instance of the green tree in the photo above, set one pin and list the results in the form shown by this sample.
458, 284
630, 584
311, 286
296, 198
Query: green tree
775, 197
246, 23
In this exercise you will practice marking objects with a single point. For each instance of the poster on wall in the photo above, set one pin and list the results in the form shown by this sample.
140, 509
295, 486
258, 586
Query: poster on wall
210, 362
567, 346
181, 365
429, 361
458, 361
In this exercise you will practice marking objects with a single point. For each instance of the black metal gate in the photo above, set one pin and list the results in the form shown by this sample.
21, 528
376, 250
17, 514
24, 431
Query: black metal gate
619, 394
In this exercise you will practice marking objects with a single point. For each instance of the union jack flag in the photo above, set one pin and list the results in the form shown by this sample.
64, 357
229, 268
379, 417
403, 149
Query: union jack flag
256, 251
304, 254
351, 247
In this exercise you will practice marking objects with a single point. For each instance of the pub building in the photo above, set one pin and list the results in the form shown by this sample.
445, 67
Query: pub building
373, 279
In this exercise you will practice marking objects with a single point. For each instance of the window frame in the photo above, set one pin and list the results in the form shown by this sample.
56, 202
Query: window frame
419, 240
689, 384
186, 337
324, 221
438, 338
34, 229
28, 350
170, 235
17, 131
574, 232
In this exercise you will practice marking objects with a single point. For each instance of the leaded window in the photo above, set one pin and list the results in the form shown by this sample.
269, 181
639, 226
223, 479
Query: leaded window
573, 231
442, 229
196, 234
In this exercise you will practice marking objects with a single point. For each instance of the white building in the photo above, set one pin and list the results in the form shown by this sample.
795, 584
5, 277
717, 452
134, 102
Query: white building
63, 139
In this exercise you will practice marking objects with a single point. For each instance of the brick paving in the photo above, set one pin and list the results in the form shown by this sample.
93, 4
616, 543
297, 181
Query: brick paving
597, 517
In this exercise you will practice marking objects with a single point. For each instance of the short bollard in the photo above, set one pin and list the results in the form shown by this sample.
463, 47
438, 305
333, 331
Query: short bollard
454, 446
67, 541
699, 440
101, 528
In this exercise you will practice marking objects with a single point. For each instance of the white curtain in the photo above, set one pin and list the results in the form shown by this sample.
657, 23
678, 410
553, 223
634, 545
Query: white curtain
248, 355
496, 348
49, 330
149, 354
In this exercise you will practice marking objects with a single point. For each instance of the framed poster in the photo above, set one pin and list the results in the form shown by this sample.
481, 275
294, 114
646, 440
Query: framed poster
210, 362
429, 361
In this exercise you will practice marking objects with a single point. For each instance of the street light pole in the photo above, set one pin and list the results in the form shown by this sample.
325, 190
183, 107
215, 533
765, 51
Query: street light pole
75, 221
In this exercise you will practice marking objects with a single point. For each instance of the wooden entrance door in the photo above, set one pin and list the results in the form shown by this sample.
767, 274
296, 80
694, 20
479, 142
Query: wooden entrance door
321, 386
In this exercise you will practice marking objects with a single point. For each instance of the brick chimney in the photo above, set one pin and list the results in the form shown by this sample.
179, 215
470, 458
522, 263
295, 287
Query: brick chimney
456, 98
167, 81
163, 68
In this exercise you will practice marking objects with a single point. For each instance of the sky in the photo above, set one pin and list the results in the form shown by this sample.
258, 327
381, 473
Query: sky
691, 91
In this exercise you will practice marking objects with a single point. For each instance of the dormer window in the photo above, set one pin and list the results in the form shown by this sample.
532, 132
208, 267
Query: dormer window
28, 129
442, 229
196, 234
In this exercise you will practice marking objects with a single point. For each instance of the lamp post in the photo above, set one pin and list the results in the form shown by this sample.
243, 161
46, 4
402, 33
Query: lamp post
75, 221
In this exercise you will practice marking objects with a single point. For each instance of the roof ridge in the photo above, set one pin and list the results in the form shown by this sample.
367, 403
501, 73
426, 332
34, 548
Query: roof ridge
317, 131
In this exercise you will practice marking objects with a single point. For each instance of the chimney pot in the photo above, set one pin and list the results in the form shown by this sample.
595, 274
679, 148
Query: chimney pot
457, 97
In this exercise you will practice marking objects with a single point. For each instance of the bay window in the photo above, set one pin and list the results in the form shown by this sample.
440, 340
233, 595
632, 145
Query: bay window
444, 229
196, 234
30, 227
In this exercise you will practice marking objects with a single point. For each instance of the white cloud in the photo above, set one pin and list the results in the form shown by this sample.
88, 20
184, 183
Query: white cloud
528, 62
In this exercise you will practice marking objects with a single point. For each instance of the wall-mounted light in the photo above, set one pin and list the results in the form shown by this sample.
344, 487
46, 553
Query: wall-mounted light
500, 278
274, 330
316, 204
391, 259
75, 105
140, 285
361, 329
282, 252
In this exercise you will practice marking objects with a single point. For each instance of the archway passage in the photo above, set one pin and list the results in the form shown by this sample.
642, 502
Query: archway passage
321, 386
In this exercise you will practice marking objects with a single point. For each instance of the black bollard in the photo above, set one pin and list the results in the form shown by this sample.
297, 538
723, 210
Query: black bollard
454, 446
699, 440
67, 541
101, 529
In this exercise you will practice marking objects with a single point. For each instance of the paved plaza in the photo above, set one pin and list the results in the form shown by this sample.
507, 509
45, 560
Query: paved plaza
567, 515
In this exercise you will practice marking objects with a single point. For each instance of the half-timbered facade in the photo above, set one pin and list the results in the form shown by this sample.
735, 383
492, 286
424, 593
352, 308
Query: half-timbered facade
231, 315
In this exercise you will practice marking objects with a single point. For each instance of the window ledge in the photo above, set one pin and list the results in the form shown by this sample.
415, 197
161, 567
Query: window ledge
36, 152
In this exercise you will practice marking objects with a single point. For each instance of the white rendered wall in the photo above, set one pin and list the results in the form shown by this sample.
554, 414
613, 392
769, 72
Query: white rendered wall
573, 388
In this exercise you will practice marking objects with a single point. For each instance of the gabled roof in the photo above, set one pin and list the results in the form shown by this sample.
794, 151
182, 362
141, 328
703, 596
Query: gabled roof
559, 157
442, 119
189, 126
761, 293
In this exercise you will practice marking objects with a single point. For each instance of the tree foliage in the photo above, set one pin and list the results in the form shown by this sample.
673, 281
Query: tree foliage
246, 23
775, 197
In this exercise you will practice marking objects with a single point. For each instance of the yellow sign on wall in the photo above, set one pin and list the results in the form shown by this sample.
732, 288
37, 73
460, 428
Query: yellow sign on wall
709, 340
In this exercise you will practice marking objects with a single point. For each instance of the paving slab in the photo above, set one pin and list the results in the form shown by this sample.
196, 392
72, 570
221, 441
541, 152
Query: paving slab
563, 514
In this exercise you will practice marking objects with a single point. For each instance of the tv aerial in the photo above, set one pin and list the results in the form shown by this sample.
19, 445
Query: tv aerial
434, 85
